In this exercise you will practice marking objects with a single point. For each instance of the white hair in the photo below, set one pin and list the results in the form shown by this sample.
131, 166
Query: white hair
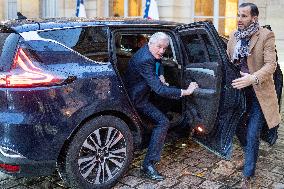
159, 36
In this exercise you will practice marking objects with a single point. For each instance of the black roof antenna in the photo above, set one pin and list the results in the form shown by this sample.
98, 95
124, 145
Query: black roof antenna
20, 16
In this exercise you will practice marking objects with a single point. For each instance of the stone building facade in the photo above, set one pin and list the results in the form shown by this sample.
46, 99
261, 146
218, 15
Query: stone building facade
222, 13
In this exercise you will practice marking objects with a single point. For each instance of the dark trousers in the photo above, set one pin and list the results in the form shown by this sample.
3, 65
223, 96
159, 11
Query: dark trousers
159, 132
249, 134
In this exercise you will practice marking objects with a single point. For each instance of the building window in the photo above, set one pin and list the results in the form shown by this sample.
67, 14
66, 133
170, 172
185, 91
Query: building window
125, 8
12, 9
222, 13
49, 8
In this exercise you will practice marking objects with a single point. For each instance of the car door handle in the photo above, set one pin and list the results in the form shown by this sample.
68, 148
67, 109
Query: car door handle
202, 70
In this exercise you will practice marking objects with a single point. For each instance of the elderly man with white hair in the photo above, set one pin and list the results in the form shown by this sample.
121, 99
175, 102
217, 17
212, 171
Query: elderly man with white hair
141, 77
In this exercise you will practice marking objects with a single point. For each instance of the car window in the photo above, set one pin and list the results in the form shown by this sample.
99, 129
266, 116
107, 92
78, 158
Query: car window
50, 52
195, 48
90, 41
3, 37
213, 55
8, 44
126, 44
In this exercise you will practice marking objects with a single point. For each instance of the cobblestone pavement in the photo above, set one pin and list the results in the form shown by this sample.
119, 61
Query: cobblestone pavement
185, 165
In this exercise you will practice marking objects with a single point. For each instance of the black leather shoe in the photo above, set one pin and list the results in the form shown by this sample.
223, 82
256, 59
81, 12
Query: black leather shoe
151, 173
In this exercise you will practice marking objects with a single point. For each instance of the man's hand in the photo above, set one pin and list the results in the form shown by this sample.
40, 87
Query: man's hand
244, 81
162, 79
192, 86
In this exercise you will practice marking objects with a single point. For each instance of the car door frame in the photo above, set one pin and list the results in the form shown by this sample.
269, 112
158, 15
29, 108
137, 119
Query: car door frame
231, 105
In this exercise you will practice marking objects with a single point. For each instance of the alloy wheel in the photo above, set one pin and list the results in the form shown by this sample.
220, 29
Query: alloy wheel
102, 155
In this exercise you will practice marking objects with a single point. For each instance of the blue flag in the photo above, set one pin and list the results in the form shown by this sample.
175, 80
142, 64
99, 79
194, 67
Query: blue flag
80, 9
151, 10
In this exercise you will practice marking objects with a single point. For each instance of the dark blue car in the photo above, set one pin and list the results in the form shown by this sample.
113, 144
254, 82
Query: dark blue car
63, 104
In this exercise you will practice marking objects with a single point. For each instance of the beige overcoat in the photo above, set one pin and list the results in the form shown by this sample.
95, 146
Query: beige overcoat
262, 63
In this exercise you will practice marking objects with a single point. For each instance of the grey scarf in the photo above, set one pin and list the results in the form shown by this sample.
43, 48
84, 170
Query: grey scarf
243, 37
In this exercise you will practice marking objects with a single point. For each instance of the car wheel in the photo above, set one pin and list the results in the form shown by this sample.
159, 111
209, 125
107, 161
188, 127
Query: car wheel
99, 154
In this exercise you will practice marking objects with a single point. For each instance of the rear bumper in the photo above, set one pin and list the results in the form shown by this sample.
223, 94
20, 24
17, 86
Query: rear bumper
27, 167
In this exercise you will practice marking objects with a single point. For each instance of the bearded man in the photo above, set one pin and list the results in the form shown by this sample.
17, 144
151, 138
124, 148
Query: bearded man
252, 48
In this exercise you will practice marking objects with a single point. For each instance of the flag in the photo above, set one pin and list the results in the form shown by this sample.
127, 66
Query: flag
151, 10
80, 10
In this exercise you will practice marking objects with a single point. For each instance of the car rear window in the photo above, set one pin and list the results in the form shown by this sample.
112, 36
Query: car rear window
91, 42
3, 37
50, 52
8, 45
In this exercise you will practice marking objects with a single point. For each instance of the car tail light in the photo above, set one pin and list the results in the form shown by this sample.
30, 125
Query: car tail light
10, 168
24, 73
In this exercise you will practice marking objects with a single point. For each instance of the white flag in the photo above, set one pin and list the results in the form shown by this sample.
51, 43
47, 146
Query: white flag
80, 10
151, 10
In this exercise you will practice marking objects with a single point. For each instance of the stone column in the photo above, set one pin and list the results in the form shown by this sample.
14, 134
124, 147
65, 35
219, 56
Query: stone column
28, 9
179, 11
91, 8
275, 17
2, 10
271, 13
66, 8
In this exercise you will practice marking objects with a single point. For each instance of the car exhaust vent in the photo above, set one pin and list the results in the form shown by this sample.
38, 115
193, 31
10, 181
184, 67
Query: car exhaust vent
24, 73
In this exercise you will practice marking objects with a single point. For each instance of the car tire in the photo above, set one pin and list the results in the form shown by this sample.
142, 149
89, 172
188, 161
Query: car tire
99, 154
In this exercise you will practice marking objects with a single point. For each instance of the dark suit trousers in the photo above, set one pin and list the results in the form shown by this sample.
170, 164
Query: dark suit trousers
249, 135
159, 132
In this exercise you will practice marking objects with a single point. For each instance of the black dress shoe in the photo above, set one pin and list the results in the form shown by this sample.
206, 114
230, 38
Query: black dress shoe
151, 173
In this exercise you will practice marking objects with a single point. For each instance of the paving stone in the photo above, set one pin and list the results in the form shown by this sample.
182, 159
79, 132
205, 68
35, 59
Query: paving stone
134, 172
265, 165
61, 184
207, 162
9, 184
168, 182
269, 175
195, 171
182, 186
185, 165
196, 155
131, 180
44, 185
278, 185
191, 162
278, 170
4, 176
172, 173
147, 185
191, 180
210, 175
224, 167
174, 156
167, 160
263, 182
121, 186
210, 184
228, 181
174, 165
22, 187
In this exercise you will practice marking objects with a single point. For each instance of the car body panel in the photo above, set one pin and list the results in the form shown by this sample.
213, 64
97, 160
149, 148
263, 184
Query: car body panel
53, 113
40, 120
